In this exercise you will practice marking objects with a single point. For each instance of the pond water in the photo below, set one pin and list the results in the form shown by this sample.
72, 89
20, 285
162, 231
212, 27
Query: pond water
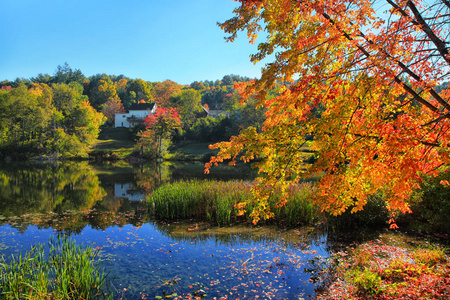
100, 206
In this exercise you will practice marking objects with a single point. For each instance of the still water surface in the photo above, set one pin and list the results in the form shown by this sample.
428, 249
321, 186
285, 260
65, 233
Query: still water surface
100, 206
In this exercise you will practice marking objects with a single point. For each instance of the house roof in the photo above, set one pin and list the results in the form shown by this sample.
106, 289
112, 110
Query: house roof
142, 106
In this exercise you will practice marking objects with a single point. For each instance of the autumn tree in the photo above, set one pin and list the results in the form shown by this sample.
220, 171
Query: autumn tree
85, 123
141, 89
164, 90
112, 107
199, 86
159, 126
372, 68
100, 89
24, 116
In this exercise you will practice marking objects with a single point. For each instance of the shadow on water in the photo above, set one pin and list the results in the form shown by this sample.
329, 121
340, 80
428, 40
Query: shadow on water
99, 205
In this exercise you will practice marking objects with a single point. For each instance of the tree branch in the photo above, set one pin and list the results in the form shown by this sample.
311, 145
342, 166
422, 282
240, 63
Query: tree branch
429, 32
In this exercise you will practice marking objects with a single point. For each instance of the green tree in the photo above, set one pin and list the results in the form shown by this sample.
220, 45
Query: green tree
67, 96
188, 104
85, 123
101, 89
65, 74
142, 90
199, 86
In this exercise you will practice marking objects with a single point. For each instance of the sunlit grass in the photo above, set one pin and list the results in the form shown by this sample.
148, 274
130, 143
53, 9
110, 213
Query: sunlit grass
118, 141
216, 200
69, 271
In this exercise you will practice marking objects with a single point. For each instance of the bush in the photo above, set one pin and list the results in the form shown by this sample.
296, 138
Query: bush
366, 281
430, 205
374, 215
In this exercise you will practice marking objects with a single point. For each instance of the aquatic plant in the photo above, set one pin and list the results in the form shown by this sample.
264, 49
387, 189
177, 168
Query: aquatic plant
216, 201
69, 271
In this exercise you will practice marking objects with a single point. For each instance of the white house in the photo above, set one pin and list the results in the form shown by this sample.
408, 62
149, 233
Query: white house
214, 113
136, 114
127, 191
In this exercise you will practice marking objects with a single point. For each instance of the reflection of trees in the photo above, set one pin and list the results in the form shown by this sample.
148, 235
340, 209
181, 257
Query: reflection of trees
152, 174
202, 233
71, 186
222, 172
66, 198
69, 196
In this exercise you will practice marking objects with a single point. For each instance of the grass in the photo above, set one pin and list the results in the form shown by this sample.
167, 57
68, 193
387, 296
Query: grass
192, 152
196, 148
69, 271
216, 201
115, 141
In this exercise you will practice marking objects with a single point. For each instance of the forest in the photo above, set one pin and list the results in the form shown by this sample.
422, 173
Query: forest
61, 115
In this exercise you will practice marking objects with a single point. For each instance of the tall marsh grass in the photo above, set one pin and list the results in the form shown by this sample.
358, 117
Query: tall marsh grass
69, 271
215, 201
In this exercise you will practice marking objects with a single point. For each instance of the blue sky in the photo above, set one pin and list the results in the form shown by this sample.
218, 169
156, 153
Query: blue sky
149, 39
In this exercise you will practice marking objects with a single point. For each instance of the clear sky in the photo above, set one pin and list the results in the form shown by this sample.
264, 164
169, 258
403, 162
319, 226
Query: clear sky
149, 39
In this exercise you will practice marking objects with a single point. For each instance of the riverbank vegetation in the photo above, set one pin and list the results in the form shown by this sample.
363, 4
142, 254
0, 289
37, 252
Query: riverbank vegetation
393, 266
217, 202
67, 271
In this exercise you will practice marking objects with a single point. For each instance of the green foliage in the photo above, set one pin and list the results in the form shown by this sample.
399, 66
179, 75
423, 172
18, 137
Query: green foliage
188, 104
430, 205
63, 74
374, 215
67, 145
69, 271
66, 97
43, 119
251, 115
142, 89
69, 186
366, 281
212, 129
100, 89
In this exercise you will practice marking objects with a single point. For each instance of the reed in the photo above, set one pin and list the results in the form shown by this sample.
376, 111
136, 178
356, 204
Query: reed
215, 201
69, 271
299, 209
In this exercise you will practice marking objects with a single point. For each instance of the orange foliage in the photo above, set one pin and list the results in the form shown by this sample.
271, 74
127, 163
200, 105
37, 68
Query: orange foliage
360, 92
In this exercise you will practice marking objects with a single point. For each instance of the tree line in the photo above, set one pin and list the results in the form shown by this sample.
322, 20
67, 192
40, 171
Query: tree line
62, 114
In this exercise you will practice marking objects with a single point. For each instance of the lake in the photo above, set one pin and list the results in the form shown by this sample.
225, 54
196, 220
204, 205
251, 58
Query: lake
102, 206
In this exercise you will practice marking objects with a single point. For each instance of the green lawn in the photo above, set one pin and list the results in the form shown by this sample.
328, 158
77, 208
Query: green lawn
118, 140
195, 149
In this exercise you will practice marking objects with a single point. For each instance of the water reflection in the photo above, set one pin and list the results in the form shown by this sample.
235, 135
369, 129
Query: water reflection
69, 187
242, 262
72, 195
98, 205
